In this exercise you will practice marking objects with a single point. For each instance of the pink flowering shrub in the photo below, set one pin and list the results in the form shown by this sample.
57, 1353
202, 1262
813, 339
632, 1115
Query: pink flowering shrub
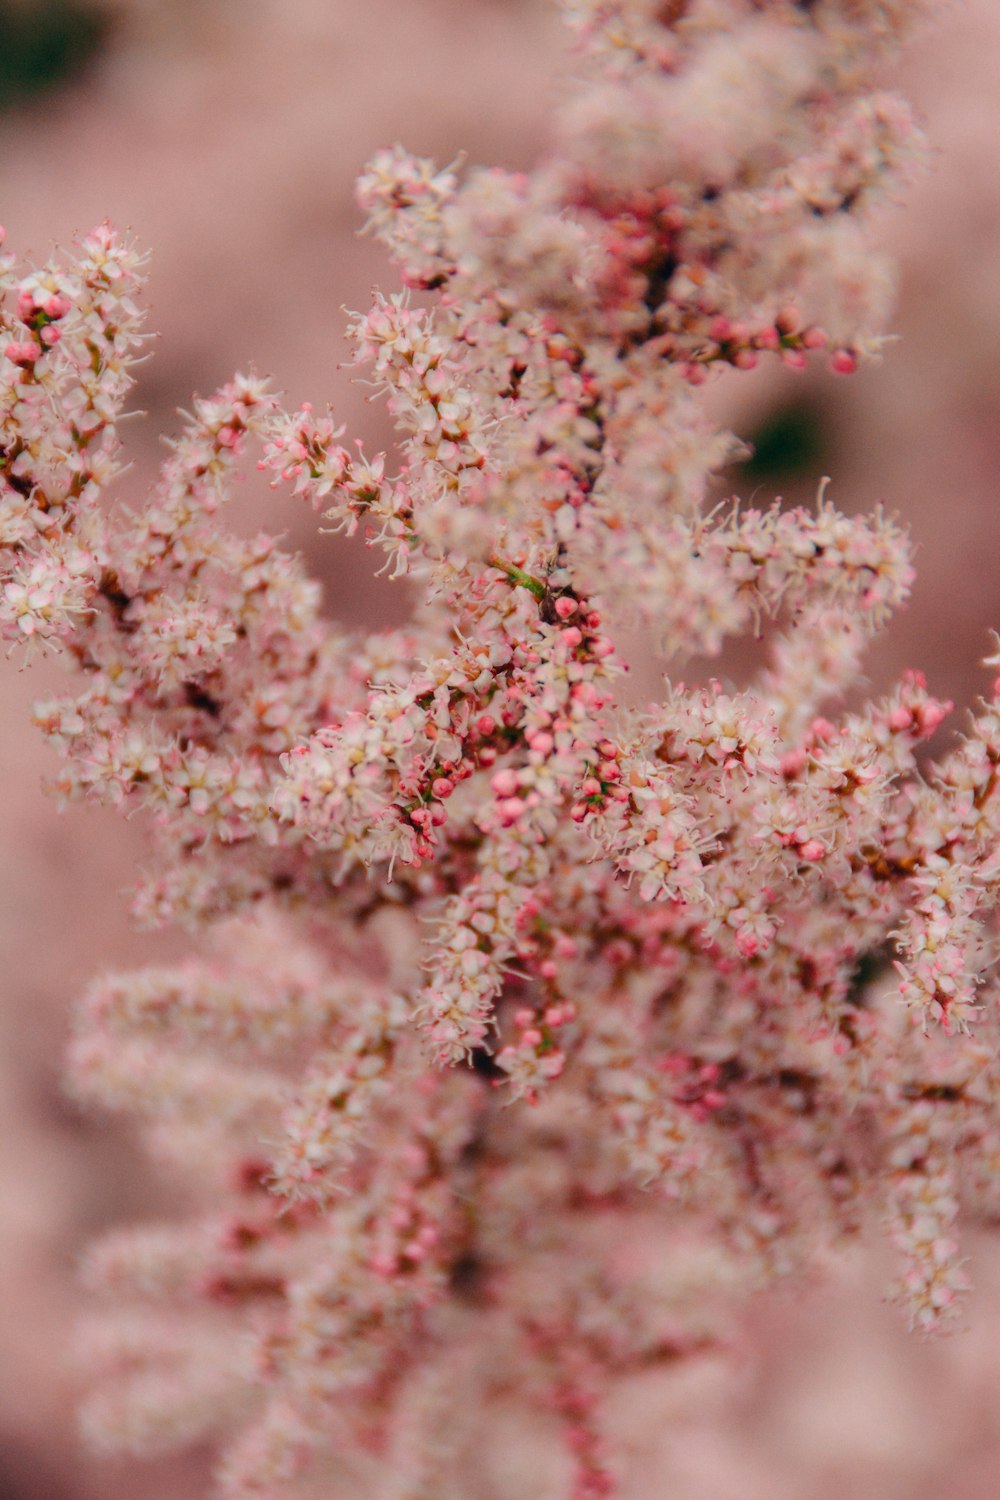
503, 979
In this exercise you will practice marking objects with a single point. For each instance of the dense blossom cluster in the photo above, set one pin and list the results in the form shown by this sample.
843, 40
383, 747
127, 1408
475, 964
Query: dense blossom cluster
499, 974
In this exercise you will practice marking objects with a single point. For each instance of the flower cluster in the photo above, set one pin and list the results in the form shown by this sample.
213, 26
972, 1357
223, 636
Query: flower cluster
498, 969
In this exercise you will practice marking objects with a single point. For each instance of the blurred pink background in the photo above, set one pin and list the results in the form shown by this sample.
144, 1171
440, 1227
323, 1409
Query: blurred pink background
226, 135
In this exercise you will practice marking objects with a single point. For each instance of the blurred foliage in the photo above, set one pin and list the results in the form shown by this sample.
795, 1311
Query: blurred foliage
45, 43
790, 441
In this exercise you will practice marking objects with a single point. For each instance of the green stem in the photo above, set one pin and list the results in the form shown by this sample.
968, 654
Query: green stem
519, 577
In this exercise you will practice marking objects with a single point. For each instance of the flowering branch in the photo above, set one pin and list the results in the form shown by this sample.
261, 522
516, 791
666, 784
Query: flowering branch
447, 869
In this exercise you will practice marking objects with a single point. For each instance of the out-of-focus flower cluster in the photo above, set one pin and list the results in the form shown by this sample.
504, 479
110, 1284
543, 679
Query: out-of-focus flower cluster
443, 871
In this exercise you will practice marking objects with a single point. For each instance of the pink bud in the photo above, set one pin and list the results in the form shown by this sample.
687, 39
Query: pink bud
673, 1063
509, 810
792, 763
843, 362
24, 353
931, 715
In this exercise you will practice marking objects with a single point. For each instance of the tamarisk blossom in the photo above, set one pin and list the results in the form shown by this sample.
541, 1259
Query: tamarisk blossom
496, 971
